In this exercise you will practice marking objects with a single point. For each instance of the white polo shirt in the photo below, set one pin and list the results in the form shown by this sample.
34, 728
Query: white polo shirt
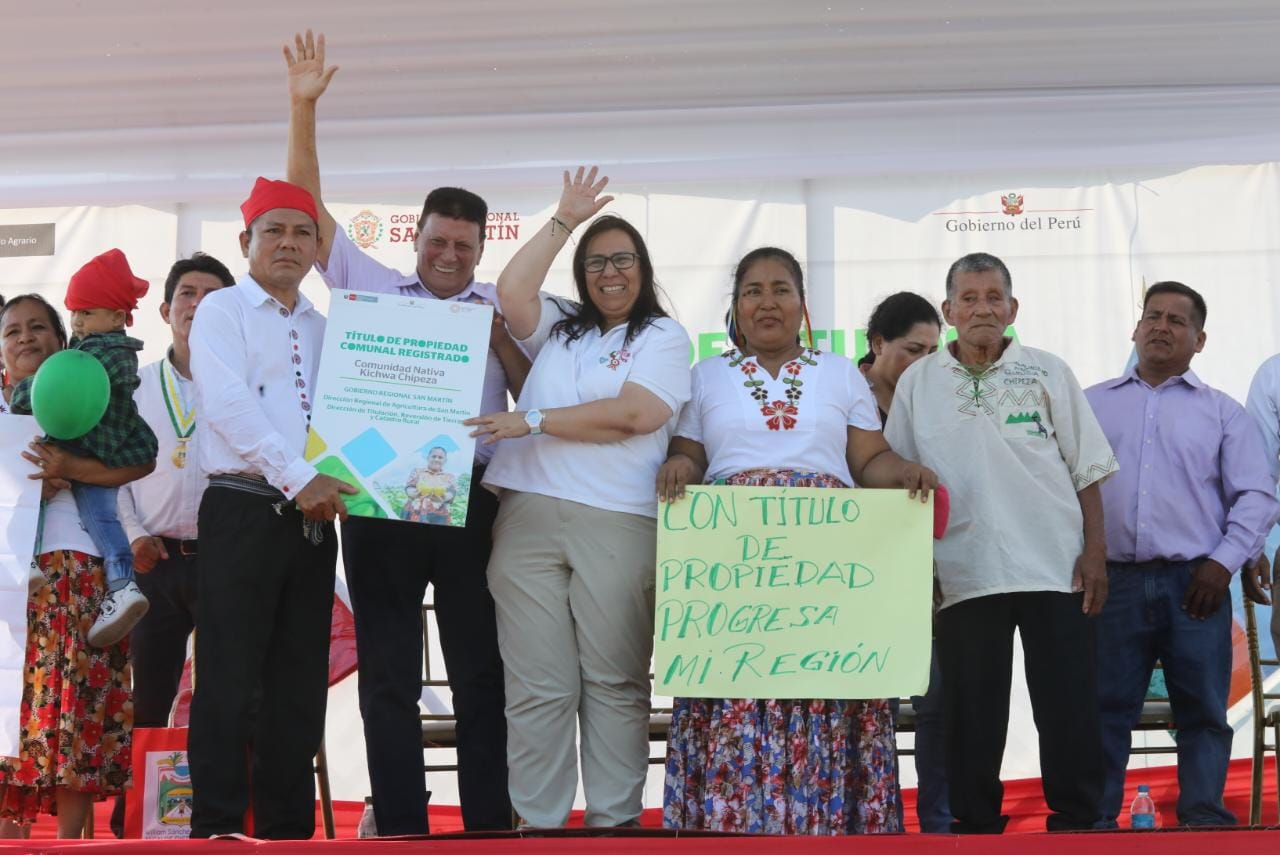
746, 419
616, 476
1013, 446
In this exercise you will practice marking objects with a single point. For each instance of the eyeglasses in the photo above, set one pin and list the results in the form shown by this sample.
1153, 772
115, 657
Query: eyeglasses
620, 260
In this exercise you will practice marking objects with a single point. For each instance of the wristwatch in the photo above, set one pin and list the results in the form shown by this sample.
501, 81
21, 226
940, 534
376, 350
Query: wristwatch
534, 419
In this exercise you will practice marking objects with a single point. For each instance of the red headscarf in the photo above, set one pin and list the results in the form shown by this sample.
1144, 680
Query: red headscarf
268, 195
106, 282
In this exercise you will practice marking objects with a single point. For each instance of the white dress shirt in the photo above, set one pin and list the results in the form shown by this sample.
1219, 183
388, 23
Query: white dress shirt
352, 270
254, 363
166, 502
1263, 404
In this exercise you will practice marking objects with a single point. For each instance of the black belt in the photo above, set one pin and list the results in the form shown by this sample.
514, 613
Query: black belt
175, 547
254, 484
1157, 563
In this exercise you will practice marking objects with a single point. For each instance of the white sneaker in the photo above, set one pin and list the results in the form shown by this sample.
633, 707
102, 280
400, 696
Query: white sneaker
35, 578
121, 610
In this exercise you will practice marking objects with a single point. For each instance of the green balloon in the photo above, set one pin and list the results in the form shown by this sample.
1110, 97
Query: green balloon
69, 394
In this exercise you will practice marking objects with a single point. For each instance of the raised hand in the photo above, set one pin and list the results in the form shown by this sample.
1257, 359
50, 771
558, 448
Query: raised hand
581, 200
308, 78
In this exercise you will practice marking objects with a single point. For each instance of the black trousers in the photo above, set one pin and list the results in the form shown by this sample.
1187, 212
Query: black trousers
389, 565
158, 645
263, 612
975, 648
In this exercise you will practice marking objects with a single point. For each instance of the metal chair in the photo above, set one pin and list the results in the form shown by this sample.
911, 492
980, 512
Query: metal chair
439, 730
326, 795
1264, 716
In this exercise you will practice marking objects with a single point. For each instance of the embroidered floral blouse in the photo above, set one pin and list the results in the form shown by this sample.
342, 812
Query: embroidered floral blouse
747, 419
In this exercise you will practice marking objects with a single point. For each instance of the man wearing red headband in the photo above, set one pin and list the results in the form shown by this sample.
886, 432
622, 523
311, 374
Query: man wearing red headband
102, 296
267, 543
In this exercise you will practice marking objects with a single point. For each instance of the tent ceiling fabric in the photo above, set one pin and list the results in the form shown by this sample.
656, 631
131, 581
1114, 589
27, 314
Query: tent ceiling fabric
145, 95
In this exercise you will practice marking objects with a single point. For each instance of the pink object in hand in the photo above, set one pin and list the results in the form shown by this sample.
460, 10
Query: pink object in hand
941, 511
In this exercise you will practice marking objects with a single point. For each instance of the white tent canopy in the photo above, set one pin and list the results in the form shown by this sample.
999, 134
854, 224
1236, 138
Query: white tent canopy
154, 102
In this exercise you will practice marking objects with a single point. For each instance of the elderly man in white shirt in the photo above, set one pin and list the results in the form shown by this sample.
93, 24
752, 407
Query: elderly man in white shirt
267, 546
158, 512
1009, 432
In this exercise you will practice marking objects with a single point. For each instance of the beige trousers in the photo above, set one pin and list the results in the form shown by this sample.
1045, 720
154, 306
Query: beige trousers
574, 591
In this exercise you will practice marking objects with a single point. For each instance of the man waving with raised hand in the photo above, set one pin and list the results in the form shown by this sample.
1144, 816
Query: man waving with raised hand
389, 563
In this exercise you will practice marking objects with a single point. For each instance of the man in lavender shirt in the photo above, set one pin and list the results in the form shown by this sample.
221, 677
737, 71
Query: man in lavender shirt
1191, 504
389, 563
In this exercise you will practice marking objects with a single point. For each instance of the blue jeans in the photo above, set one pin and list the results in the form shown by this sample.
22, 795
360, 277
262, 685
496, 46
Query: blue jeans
1143, 621
97, 508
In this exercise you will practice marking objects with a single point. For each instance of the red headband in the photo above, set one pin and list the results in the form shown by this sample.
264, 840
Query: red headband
106, 282
269, 195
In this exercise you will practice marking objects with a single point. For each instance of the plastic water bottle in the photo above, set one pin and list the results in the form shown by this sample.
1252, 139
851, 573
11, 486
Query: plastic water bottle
1142, 813
368, 827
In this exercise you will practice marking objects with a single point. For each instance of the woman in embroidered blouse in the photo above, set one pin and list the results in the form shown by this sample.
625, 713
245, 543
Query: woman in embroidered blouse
752, 765
76, 708
575, 539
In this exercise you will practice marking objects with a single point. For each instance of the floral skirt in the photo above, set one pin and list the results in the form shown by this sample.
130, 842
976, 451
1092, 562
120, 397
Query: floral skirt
77, 709
781, 766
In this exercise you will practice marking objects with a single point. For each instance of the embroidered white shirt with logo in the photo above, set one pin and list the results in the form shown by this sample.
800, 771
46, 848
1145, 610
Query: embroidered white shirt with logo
800, 420
615, 476
166, 502
1012, 445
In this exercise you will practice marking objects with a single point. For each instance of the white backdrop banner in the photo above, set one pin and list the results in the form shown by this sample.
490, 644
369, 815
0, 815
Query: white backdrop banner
1081, 246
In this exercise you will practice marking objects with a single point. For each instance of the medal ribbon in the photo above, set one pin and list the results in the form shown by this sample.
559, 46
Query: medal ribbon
184, 420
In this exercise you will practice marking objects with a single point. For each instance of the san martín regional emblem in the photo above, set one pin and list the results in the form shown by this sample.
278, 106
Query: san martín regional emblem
366, 228
1012, 203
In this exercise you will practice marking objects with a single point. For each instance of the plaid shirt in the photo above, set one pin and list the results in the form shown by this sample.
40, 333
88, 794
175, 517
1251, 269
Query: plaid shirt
122, 438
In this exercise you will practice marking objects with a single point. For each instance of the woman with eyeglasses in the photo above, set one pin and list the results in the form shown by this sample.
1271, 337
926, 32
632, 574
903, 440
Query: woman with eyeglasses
575, 539
776, 412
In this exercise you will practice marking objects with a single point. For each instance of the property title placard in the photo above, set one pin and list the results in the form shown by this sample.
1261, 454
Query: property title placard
397, 377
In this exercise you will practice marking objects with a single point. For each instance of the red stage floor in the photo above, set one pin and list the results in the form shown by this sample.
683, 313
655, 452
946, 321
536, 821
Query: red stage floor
1023, 802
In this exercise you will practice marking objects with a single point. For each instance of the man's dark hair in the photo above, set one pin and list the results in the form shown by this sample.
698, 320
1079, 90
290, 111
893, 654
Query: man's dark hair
978, 262
1199, 311
197, 263
644, 311
456, 204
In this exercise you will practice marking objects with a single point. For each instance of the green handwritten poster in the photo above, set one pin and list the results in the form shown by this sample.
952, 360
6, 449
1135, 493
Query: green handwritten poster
776, 592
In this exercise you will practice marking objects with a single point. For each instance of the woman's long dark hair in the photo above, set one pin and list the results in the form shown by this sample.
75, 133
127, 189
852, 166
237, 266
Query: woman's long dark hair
894, 318
647, 307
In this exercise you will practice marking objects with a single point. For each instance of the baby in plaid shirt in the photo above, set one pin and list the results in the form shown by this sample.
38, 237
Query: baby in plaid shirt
102, 296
